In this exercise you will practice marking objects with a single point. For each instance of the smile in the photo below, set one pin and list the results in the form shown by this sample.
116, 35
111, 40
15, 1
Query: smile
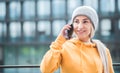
81, 31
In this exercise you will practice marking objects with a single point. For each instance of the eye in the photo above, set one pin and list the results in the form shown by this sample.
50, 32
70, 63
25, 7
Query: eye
85, 21
76, 21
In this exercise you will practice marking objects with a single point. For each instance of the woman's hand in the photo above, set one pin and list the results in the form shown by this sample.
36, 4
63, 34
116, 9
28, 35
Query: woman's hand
63, 31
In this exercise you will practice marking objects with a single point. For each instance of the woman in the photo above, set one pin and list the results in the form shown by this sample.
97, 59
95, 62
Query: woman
80, 54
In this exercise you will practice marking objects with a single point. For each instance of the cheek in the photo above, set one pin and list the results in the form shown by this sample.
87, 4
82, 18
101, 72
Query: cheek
89, 29
75, 28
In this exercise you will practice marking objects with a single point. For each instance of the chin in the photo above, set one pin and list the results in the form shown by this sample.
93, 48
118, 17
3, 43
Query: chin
83, 37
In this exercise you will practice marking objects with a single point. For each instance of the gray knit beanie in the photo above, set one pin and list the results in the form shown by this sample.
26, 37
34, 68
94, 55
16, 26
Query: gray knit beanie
90, 13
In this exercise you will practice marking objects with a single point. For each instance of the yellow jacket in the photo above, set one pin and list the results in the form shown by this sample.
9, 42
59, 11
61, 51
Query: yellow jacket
73, 56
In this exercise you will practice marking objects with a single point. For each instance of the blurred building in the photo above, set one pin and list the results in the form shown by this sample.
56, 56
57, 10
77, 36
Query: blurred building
27, 27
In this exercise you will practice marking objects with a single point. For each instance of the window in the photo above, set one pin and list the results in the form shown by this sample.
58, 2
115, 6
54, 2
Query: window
10, 55
15, 30
44, 9
23, 55
72, 4
118, 5
92, 3
44, 26
29, 30
29, 9
57, 25
15, 10
2, 10
119, 25
58, 10
44, 30
107, 6
2, 32
105, 27
27, 56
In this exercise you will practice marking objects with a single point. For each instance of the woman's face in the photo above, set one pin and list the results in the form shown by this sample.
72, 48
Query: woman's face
82, 27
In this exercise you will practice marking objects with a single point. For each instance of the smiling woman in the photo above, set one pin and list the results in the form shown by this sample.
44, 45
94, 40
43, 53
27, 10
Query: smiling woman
27, 28
81, 53
82, 28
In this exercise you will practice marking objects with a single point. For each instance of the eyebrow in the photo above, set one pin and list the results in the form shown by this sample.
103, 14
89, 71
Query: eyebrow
86, 19
83, 19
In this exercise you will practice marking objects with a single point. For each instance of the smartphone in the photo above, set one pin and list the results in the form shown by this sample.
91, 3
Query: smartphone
70, 32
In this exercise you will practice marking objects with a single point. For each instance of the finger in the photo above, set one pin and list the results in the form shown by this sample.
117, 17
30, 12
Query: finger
68, 27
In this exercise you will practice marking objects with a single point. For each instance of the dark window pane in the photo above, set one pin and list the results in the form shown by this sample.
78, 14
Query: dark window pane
31, 55
58, 8
1, 29
2, 32
2, 10
15, 10
57, 26
44, 8
117, 68
9, 55
72, 4
29, 9
25, 55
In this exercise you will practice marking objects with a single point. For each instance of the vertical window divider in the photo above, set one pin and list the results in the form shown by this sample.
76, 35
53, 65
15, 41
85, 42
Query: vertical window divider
21, 20
36, 21
7, 21
51, 19
66, 9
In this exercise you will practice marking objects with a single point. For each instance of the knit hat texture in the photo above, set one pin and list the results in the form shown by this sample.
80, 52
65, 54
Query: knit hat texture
90, 13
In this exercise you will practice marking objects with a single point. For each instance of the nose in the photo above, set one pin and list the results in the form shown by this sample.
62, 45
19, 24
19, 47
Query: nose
80, 26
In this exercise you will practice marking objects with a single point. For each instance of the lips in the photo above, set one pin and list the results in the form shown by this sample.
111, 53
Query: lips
81, 31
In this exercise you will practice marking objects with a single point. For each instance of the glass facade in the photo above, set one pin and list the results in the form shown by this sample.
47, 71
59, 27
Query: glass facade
15, 31
43, 9
106, 27
2, 10
15, 9
3, 33
29, 31
28, 10
59, 8
57, 26
27, 27
107, 6
71, 5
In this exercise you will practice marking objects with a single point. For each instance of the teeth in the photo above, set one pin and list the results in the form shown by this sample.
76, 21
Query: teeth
80, 31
